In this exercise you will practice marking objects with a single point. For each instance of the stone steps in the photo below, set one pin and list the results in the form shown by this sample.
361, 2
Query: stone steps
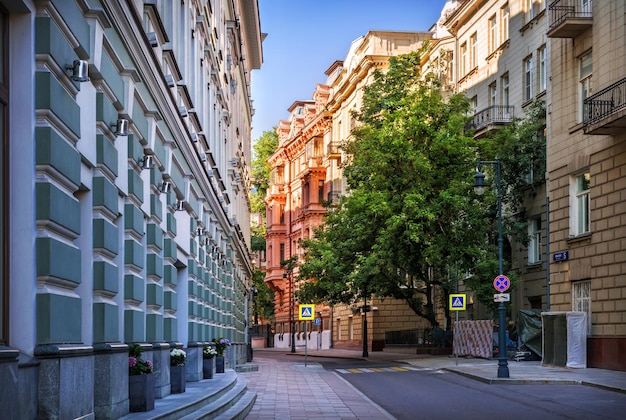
226, 396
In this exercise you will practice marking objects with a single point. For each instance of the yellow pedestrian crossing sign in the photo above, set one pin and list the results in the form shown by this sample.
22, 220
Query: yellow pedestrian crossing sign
457, 302
306, 312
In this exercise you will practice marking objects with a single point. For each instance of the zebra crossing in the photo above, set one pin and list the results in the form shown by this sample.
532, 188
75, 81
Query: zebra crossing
383, 369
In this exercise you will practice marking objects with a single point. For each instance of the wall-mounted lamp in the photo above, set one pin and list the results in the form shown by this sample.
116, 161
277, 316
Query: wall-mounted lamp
121, 127
78, 70
180, 205
165, 187
146, 162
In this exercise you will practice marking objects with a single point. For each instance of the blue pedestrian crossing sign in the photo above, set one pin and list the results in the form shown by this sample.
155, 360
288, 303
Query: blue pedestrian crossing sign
306, 312
457, 302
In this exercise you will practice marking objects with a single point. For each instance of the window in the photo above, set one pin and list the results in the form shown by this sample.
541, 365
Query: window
585, 7
493, 94
493, 34
320, 191
529, 10
534, 244
504, 83
463, 59
473, 51
586, 68
528, 78
4, 176
543, 69
504, 17
580, 210
581, 300
474, 104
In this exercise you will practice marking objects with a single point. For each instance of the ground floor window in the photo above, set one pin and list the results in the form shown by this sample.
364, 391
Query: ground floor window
581, 300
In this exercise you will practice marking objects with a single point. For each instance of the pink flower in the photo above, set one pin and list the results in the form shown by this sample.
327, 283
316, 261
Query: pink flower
132, 361
149, 363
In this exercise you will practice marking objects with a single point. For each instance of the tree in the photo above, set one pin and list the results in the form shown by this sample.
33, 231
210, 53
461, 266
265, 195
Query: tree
263, 148
410, 219
521, 148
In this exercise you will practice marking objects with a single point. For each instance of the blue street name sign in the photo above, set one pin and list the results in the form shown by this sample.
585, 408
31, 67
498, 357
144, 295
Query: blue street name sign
560, 256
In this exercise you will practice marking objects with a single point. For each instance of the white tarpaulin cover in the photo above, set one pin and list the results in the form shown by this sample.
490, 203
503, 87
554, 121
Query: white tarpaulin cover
564, 339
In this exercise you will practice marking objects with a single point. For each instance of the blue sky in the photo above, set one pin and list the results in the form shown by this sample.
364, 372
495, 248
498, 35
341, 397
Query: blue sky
306, 36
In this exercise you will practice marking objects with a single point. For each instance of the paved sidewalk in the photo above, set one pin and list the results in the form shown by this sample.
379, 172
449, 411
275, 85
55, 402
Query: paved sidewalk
295, 391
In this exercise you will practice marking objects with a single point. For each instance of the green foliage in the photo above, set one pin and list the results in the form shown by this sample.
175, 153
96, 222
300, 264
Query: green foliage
263, 303
521, 148
410, 218
136, 365
411, 224
263, 148
220, 345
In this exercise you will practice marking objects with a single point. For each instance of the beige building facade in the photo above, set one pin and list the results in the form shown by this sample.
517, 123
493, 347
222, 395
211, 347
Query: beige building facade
496, 53
587, 171
505, 56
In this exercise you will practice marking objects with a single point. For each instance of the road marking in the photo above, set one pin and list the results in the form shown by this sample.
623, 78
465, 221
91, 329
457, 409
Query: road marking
384, 369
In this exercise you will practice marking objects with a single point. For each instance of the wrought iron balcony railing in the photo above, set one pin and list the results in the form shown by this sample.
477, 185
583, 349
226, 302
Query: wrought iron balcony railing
605, 110
568, 18
493, 115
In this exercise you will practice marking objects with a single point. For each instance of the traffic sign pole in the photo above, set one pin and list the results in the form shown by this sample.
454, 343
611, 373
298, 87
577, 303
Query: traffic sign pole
306, 340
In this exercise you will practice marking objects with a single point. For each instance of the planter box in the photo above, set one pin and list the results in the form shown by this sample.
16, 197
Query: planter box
178, 380
219, 364
141, 392
208, 368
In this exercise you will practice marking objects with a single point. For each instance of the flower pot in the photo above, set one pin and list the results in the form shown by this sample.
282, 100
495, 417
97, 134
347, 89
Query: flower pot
141, 392
207, 368
219, 364
177, 379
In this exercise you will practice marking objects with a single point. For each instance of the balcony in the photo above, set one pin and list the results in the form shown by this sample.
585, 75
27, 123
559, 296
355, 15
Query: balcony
569, 18
491, 117
333, 150
605, 111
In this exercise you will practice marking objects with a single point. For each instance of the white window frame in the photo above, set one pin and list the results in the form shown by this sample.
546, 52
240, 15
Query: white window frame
504, 83
581, 300
529, 10
493, 34
493, 94
464, 59
580, 204
542, 54
473, 51
534, 243
528, 78
585, 80
505, 13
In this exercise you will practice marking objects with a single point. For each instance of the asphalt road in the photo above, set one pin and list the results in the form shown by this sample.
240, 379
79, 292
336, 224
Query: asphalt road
416, 393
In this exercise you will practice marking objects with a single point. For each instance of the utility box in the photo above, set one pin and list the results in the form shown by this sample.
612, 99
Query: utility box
564, 339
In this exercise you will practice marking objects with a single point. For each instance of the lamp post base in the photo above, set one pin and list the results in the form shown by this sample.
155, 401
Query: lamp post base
503, 366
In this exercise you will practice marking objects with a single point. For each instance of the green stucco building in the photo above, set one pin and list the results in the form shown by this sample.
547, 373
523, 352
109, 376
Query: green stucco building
124, 212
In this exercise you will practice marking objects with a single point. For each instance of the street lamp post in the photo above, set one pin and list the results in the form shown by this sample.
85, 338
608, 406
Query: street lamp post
479, 188
291, 318
365, 310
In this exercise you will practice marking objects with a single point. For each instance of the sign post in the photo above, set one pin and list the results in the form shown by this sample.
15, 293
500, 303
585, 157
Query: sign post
306, 313
457, 303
